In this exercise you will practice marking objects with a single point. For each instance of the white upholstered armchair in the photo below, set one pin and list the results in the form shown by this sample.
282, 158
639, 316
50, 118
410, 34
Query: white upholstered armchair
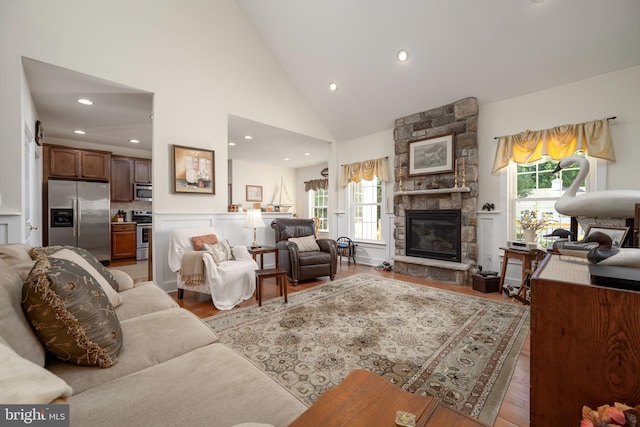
228, 282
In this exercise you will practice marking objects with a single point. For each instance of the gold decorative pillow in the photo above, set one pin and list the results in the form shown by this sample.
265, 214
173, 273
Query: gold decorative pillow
306, 243
198, 241
70, 313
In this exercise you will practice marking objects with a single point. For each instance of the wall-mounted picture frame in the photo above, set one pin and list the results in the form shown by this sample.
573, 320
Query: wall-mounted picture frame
193, 170
618, 234
431, 155
254, 193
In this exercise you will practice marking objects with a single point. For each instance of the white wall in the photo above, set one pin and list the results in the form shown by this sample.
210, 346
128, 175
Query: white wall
202, 60
377, 145
268, 177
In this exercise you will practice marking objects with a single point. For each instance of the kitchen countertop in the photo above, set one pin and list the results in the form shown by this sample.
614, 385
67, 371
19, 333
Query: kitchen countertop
123, 223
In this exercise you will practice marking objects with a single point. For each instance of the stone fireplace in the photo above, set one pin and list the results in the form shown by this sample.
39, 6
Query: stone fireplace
449, 254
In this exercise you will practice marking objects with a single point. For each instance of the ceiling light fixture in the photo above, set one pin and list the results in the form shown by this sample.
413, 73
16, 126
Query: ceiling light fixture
403, 55
232, 144
248, 137
85, 101
333, 86
286, 158
307, 154
134, 141
79, 132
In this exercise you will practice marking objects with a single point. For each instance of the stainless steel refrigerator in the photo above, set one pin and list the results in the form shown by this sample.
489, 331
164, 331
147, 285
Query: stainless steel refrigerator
79, 215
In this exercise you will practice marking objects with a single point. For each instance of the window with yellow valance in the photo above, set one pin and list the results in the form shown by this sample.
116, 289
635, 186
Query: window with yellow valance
355, 172
592, 137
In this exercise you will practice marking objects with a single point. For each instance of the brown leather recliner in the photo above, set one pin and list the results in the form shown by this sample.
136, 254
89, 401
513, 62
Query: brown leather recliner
304, 265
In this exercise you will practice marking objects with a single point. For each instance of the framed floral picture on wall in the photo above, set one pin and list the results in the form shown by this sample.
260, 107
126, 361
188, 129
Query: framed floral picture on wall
193, 170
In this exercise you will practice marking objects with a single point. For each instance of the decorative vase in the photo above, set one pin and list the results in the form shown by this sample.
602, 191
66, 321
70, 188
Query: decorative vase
530, 235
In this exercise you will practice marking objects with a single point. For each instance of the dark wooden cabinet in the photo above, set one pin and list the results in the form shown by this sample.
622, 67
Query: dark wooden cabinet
123, 241
585, 343
95, 165
121, 179
125, 171
142, 171
63, 162
67, 162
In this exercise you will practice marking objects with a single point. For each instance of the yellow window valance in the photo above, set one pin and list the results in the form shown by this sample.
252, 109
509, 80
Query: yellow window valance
592, 137
316, 184
355, 172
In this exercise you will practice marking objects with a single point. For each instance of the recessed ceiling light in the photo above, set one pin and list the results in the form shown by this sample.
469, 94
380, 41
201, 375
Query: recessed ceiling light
333, 86
79, 132
307, 154
286, 158
134, 141
403, 55
85, 101
248, 137
232, 144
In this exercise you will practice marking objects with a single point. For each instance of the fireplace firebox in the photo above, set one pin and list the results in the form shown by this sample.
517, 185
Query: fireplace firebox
434, 234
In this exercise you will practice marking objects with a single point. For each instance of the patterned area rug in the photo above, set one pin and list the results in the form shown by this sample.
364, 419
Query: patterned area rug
457, 348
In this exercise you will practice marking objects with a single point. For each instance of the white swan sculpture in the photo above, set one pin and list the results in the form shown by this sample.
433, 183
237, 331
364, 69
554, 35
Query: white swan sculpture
600, 204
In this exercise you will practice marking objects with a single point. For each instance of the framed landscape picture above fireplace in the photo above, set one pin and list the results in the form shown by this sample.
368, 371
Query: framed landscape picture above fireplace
431, 155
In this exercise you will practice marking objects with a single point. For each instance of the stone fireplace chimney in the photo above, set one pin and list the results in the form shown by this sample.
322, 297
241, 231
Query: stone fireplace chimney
438, 192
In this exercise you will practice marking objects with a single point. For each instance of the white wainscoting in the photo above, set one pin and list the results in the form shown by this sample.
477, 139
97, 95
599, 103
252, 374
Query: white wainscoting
227, 225
10, 228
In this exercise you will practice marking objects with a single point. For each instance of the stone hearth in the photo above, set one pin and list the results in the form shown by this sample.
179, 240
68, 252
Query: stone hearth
437, 191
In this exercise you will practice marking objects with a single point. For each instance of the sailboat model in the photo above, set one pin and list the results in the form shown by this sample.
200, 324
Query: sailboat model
281, 198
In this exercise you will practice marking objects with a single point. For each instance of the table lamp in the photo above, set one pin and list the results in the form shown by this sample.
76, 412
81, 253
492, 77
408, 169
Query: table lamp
254, 220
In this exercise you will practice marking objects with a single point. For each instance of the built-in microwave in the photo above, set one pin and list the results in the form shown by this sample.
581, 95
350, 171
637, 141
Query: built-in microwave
142, 192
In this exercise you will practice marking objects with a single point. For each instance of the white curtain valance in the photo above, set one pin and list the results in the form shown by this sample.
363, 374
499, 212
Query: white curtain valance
355, 172
592, 137
316, 184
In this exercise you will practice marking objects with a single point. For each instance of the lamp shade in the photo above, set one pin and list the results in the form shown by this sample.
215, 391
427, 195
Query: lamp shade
254, 219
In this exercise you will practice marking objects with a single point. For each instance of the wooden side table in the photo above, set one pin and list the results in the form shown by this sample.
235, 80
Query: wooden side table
281, 280
526, 257
261, 250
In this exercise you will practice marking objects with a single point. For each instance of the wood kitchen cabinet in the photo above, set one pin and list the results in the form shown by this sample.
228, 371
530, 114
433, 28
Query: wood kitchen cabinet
123, 241
67, 162
125, 171
585, 343
142, 171
121, 179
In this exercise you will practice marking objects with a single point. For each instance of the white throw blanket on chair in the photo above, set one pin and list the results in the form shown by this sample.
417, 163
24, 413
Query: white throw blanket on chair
229, 283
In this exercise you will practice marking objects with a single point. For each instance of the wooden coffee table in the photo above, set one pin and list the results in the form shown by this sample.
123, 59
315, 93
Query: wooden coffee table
364, 399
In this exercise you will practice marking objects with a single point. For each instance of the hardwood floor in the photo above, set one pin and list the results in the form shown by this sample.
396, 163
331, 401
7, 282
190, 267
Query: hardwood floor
514, 411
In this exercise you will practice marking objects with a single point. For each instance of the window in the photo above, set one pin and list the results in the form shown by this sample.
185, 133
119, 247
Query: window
534, 187
366, 208
319, 207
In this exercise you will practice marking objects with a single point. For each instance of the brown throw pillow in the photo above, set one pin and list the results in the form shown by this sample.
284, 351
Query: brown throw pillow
209, 239
70, 313
88, 256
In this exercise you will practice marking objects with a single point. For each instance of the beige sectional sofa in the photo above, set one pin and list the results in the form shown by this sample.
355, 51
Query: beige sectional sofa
170, 369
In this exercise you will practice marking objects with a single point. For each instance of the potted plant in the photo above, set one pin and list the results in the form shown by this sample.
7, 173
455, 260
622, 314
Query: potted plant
531, 224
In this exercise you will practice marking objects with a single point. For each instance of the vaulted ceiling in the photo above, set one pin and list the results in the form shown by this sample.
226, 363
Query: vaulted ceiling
490, 49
